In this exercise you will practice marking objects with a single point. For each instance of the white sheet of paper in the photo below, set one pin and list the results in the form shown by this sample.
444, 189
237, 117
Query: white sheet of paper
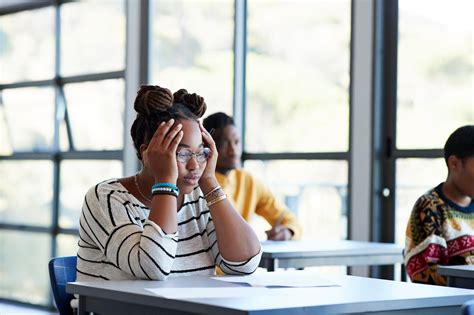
222, 292
287, 279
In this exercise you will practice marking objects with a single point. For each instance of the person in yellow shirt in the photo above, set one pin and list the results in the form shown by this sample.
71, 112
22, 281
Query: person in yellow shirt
248, 194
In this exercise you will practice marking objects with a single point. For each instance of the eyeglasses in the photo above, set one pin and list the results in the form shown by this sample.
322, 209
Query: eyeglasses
184, 155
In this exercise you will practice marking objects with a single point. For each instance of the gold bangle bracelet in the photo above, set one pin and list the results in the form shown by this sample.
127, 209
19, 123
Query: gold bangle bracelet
212, 190
215, 194
216, 200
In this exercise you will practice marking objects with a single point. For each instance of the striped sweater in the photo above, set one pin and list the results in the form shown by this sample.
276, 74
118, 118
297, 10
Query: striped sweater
118, 242
439, 232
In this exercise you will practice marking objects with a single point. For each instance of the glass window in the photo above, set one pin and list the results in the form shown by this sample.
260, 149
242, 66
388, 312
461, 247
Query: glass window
90, 44
32, 131
316, 191
414, 178
435, 71
67, 245
5, 141
76, 178
192, 49
26, 192
24, 266
298, 76
96, 114
27, 46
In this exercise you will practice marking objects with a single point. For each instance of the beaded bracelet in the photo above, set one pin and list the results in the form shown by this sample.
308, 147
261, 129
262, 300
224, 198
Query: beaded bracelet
170, 193
162, 189
165, 187
216, 200
156, 185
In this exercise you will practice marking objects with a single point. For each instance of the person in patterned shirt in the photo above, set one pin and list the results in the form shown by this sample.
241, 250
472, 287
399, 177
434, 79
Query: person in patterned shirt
440, 230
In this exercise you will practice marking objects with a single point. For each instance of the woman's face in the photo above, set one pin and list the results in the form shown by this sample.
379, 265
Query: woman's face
190, 171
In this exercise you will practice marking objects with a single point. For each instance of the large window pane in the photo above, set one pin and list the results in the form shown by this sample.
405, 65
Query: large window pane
298, 76
76, 178
67, 245
26, 192
27, 46
23, 266
316, 191
435, 71
28, 118
5, 143
414, 178
192, 49
92, 36
96, 114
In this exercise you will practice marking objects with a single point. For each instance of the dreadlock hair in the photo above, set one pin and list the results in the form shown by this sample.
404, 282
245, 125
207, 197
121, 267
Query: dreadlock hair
460, 143
155, 104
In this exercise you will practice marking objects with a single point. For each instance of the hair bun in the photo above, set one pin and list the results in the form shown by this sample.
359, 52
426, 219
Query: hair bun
152, 98
194, 102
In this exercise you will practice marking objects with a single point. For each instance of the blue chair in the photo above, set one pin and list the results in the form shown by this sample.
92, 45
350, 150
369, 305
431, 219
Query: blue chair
61, 271
468, 308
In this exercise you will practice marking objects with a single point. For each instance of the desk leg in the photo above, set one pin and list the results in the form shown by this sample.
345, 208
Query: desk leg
273, 265
403, 275
81, 306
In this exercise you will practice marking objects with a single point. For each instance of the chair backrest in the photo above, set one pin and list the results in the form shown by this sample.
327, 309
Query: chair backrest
61, 271
468, 308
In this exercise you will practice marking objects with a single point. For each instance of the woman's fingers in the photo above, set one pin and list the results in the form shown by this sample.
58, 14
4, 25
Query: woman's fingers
207, 138
160, 133
165, 135
171, 136
176, 140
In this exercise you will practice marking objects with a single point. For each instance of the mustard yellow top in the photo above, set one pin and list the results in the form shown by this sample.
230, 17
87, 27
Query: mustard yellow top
248, 195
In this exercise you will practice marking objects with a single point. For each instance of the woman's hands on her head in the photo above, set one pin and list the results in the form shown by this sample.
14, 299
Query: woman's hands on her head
160, 155
209, 173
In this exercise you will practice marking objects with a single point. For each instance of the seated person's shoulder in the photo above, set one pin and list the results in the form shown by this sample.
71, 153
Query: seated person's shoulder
106, 187
429, 198
246, 177
429, 204
242, 174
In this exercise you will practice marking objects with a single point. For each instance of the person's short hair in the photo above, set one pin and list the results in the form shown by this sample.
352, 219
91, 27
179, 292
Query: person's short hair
460, 143
217, 121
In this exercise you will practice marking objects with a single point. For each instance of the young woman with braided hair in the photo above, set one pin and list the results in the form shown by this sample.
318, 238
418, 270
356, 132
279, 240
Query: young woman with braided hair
172, 218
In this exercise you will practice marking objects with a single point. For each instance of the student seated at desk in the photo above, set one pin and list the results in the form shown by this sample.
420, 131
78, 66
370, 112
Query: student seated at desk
248, 195
441, 226
171, 218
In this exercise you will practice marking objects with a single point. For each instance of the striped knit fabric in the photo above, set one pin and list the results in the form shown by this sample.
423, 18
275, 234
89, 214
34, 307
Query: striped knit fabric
439, 232
118, 242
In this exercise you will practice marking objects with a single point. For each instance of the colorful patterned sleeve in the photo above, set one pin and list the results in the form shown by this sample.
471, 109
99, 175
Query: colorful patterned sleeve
425, 246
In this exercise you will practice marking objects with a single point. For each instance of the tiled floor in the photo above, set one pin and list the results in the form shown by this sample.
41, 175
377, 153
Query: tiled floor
10, 309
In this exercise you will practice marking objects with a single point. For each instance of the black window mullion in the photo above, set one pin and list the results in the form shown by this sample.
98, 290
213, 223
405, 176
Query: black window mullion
384, 108
57, 121
66, 119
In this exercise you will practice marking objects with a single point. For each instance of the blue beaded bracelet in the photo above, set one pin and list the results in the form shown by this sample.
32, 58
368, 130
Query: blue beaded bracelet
162, 185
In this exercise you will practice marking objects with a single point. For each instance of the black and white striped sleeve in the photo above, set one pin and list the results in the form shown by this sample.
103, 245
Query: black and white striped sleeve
142, 250
230, 267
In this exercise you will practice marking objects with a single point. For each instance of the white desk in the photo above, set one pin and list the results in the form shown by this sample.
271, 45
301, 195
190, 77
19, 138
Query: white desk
458, 276
300, 254
353, 295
